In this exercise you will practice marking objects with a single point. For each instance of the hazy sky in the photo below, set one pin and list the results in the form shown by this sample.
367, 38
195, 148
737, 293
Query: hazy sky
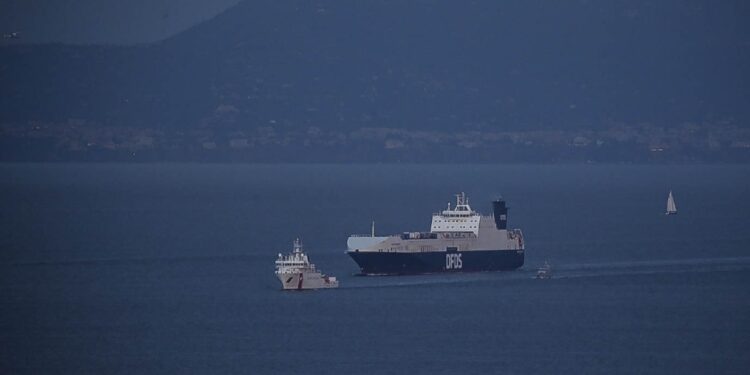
104, 21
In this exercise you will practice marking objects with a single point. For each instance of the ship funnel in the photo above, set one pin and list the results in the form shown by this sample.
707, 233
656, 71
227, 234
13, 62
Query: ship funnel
500, 211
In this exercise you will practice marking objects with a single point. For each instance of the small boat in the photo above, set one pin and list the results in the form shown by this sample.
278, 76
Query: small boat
297, 273
545, 271
671, 207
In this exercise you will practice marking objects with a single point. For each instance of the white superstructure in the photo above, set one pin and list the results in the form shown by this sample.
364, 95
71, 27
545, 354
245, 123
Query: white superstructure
458, 227
297, 273
459, 219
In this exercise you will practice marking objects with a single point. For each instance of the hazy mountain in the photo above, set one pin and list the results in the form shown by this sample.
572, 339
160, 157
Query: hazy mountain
418, 65
103, 21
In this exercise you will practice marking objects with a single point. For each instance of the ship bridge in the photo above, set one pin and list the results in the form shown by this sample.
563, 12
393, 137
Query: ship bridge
297, 260
460, 218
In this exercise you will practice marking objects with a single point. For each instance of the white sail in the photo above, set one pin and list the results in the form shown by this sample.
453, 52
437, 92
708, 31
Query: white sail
671, 207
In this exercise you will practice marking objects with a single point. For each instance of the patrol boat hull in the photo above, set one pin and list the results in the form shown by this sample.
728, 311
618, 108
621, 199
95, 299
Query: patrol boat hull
306, 281
392, 263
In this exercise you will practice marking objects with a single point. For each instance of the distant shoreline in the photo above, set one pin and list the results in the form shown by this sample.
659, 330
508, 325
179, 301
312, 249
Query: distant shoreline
617, 144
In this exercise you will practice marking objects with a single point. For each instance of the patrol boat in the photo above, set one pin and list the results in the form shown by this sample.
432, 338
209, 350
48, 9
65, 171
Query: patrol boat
297, 273
460, 240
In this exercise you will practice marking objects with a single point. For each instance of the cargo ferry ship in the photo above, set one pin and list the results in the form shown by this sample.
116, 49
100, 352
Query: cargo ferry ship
460, 240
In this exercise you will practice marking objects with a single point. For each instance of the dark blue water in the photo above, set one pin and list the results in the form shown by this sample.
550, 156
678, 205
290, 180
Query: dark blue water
169, 269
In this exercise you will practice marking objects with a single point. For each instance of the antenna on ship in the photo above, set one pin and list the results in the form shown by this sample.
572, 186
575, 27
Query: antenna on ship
373, 229
461, 199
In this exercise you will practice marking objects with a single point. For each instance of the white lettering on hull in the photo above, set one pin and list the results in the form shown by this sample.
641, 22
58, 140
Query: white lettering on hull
453, 262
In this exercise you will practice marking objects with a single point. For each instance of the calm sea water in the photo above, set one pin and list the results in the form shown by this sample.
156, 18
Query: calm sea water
113, 268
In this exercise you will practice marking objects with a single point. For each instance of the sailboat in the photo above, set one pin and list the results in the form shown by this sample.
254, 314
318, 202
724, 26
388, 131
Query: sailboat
671, 207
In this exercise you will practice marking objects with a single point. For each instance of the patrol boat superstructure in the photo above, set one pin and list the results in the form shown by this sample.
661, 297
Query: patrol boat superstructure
297, 273
460, 240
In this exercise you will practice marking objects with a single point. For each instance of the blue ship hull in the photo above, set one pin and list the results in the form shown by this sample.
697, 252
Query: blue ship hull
395, 263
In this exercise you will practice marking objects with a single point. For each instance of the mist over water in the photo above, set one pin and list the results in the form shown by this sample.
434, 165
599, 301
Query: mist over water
168, 268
